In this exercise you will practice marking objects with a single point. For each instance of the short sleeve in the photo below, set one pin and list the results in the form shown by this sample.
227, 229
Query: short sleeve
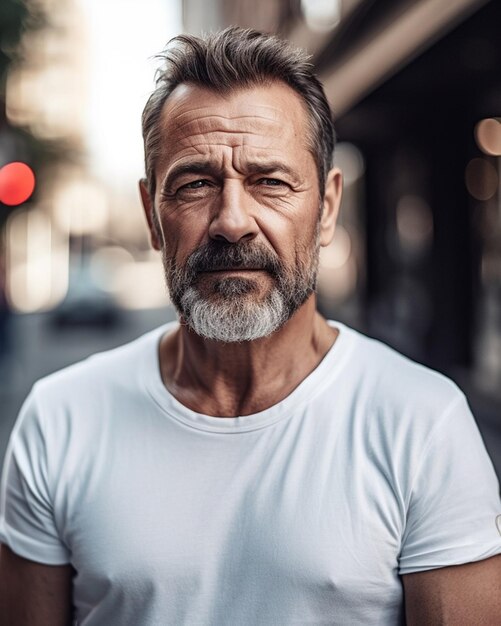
454, 500
27, 523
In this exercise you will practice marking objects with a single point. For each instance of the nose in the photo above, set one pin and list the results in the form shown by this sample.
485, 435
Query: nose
232, 219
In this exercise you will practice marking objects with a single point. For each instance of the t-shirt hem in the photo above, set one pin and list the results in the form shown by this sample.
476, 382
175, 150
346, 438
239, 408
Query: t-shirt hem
450, 559
28, 549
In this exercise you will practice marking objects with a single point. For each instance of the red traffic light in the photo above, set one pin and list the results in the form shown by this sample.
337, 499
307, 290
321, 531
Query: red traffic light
17, 182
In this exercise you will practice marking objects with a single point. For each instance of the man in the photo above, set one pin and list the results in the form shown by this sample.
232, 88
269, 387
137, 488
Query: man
253, 464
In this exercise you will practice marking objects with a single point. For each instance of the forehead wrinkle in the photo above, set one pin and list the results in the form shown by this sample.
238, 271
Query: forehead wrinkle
238, 154
207, 152
215, 131
230, 159
249, 111
245, 103
237, 142
204, 141
219, 124
251, 115
216, 138
214, 144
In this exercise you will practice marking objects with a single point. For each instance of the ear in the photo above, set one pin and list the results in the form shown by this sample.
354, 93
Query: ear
330, 205
149, 208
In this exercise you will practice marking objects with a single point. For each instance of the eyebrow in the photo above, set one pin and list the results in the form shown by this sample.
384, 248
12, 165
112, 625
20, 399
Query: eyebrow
208, 168
193, 167
268, 167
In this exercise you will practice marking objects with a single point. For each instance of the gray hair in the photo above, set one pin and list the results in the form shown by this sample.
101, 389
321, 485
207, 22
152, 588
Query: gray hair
231, 59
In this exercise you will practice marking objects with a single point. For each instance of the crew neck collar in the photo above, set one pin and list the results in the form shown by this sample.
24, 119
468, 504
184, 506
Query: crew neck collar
323, 375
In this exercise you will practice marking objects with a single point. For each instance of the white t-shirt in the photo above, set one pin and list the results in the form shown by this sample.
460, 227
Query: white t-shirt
305, 513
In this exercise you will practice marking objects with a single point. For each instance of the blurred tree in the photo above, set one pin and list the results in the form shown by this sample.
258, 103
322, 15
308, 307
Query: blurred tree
16, 18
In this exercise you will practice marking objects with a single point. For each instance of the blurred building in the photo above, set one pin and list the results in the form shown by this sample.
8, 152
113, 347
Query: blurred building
416, 90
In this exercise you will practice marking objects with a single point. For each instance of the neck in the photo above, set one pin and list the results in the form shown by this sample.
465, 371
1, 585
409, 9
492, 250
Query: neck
231, 379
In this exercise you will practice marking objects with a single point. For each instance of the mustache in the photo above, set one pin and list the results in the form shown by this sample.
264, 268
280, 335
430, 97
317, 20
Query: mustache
219, 255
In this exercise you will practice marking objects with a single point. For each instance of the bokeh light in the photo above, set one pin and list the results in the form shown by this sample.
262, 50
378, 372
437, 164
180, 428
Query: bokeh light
481, 179
414, 223
351, 161
321, 15
17, 183
488, 136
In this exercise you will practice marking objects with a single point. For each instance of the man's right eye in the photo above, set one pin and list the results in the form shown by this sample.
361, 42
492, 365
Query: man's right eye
196, 184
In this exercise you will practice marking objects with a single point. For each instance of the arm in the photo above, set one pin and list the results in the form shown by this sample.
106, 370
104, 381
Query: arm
32, 594
461, 595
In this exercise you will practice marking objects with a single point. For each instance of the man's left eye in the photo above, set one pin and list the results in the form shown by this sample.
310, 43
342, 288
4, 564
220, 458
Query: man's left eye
271, 182
195, 184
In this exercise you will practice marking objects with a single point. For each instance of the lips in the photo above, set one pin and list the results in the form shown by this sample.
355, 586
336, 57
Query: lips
235, 269
224, 257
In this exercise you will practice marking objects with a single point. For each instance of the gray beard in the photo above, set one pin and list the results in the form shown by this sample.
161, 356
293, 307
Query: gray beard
231, 312
234, 319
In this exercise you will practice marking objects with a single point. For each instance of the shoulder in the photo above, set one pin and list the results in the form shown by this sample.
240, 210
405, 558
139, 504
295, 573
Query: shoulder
101, 372
400, 409
395, 385
415, 429
78, 399
75, 408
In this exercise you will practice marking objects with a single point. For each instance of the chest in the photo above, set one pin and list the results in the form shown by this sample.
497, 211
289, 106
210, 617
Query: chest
283, 517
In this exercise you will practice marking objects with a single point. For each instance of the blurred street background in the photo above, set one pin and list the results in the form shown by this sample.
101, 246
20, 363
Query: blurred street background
416, 260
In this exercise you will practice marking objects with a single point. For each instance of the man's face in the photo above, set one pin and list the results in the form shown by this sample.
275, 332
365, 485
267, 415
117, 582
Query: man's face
238, 207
